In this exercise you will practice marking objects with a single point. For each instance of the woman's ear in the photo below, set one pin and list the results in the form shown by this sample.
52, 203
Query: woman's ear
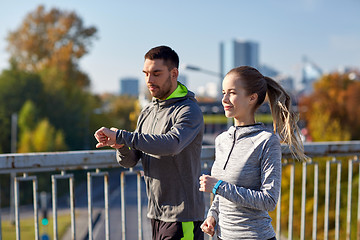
253, 98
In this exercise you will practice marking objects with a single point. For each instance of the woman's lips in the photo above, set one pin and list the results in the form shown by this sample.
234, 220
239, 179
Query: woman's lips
227, 107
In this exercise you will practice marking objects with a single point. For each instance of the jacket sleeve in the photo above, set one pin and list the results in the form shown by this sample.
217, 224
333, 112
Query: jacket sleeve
214, 209
188, 123
266, 198
126, 157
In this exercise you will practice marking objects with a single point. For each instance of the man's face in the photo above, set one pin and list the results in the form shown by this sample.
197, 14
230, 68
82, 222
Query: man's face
159, 80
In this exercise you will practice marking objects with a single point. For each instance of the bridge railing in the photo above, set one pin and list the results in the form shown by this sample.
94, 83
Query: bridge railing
328, 154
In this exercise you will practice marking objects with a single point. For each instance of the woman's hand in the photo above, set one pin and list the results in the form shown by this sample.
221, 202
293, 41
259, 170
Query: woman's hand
208, 226
207, 183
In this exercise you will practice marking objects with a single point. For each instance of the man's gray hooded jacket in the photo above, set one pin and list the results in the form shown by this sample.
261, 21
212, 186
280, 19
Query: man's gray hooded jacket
168, 140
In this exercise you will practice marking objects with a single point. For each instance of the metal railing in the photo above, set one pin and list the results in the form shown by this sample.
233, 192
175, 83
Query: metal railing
330, 153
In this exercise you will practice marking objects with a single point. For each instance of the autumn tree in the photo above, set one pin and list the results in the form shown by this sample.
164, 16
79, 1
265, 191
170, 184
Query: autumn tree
332, 111
51, 43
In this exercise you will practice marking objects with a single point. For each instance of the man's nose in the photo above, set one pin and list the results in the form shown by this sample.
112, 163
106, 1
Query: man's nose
150, 78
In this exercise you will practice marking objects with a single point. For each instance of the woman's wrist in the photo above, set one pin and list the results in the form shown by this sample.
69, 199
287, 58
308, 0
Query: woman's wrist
216, 186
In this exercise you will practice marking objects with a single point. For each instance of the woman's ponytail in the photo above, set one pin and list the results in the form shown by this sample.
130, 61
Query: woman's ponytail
285, 119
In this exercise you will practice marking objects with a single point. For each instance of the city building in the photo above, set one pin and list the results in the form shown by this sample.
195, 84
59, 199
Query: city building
129, 86
286, 81
310, 73
234, 53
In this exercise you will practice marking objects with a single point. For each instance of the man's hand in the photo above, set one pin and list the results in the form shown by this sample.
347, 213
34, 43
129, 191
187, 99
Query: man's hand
208, 226
106, 137
116, 146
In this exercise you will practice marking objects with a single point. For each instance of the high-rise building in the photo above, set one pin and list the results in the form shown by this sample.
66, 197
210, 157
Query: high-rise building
235, 53
129, 86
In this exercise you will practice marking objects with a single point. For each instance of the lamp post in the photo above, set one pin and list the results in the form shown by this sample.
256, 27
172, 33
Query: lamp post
210, 72
195, 68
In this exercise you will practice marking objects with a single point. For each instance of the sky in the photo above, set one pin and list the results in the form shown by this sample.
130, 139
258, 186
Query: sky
327, 32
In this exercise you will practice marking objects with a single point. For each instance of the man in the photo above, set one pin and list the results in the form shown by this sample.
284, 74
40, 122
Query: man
168, 139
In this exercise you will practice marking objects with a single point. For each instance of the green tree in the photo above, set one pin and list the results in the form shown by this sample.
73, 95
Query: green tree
27, 117
16, 87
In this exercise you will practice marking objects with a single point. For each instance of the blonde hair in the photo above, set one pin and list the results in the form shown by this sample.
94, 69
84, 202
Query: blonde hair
284, 118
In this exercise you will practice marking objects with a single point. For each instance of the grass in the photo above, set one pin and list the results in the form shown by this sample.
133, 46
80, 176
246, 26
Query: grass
221, 119
27, 229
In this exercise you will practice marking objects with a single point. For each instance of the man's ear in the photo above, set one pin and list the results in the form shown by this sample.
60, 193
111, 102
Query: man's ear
174, 73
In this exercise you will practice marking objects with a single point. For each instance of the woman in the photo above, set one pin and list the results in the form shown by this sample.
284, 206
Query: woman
246, 175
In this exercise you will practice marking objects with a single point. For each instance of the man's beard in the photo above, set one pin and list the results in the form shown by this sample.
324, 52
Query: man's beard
164, 91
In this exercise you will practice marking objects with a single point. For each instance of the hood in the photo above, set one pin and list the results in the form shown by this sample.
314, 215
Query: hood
185, 93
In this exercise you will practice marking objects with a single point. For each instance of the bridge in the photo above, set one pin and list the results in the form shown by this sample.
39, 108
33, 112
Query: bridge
109, 202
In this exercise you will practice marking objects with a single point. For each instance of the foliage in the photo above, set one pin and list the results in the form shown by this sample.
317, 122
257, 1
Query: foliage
16, 87
52, 43
27, 117
49, 45
332, 111
44, 138
122, 111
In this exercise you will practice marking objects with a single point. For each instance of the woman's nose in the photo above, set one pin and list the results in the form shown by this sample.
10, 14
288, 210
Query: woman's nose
225, 98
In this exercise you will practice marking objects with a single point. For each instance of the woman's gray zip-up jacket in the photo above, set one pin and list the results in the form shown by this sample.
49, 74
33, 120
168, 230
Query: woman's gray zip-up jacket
168, 140
248, 160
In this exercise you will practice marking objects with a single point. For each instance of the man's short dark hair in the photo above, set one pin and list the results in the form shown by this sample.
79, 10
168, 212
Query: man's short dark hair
170, 57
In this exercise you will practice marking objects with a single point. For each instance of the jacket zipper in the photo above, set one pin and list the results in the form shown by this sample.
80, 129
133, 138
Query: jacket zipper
155, 118
232, 147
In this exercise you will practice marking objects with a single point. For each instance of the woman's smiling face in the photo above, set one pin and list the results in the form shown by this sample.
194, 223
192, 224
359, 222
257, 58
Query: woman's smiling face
237, 102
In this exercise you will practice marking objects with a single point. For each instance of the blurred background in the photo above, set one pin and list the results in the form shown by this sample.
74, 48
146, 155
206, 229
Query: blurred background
68, 67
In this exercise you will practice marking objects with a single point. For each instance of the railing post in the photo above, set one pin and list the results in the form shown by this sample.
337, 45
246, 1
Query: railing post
89, 206
316, 198
303, 200
327, 199
349, 198
358, 206
348, 210
17, 204
338, 198
98, 173
123, 216
291, 203
140, 233
54, 179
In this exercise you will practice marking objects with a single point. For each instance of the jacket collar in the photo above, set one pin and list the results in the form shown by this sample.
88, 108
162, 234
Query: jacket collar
242, 131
